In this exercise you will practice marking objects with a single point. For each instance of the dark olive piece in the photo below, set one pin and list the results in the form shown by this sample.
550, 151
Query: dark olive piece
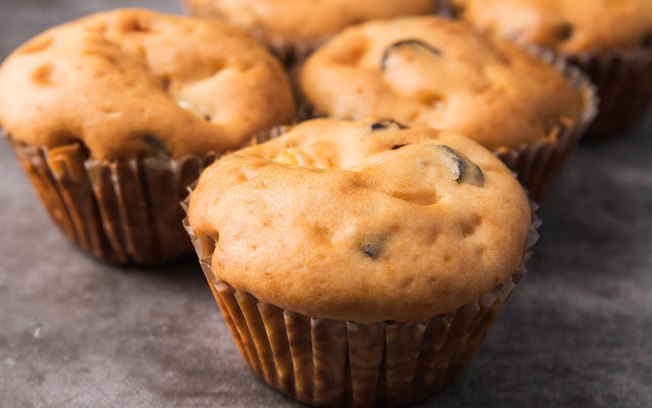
165, 83
395, 147
371, 251
373, 247
565, 31
157, 148
418, 44
449, 10
467, 171
387, 123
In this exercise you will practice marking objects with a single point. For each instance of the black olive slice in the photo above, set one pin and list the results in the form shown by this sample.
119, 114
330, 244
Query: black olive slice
165, 83
386, 124
412, 44
464, 171
373, 247
565, 31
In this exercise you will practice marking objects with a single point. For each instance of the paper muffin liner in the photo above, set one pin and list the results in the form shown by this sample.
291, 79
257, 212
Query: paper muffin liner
624, 83
123, 211
325, 362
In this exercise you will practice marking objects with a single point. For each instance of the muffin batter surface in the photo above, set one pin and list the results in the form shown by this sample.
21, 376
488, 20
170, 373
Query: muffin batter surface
443, 74
569, 26
366, 221
305, 21
135, 82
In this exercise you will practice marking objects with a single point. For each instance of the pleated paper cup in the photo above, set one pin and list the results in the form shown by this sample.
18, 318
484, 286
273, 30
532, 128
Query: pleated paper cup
624, 83
124, 212
335, 363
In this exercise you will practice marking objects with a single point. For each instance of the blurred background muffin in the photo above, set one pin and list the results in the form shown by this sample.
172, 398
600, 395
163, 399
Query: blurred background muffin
113, 115
443, 74
609, 40
293, 28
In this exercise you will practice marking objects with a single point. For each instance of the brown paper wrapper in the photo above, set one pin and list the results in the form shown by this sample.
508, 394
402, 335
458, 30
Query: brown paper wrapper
125, 211
624, 83
326, 362
119, 211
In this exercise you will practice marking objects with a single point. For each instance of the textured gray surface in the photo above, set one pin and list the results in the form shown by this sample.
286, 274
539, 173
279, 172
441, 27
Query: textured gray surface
76, 333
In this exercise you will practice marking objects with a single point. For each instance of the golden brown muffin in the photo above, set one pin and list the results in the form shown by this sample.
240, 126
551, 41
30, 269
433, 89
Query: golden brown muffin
443, 74
114, 115
304, 22
567, 26
360, 263
363, 221
608, 40
134, 82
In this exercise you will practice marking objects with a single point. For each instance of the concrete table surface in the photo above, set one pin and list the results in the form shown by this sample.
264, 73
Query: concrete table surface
78, 333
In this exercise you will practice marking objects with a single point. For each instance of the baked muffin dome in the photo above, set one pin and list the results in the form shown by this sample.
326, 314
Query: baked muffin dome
362, 220
443, 74
304, 21
567, 26
134, 82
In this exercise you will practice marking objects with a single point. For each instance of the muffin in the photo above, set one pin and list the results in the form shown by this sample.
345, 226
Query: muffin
112, 116
609, 40
443, 74
292, 28
360, 262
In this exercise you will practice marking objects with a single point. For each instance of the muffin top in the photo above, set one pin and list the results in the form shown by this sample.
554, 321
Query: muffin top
443, 74
363, 221
133, 82
305, 21
568, 26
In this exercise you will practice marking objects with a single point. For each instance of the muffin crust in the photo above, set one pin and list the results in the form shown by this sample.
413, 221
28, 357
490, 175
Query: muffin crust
134, 82
567, 26
304, 21
365, 221
442, 74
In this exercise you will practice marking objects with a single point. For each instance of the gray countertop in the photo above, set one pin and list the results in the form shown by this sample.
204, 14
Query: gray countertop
78, 333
